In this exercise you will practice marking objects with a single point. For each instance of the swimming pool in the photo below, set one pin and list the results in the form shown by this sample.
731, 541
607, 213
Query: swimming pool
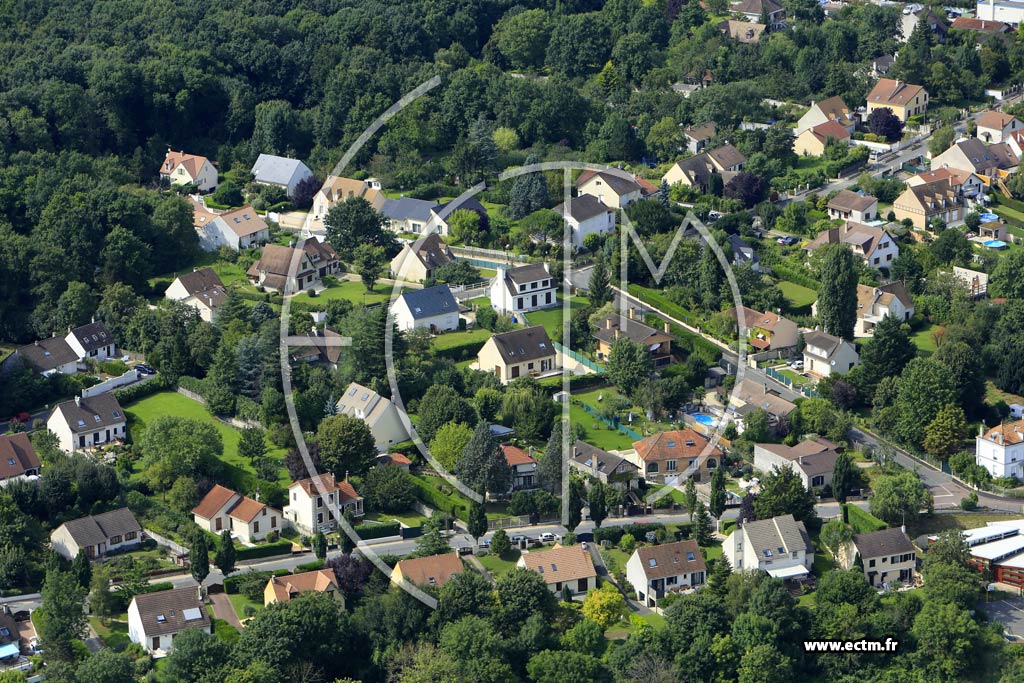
995, 244
988, 217
705, 419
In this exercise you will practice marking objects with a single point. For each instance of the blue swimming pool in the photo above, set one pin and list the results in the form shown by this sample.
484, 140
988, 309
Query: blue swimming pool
988, 217
995, 244
705, 419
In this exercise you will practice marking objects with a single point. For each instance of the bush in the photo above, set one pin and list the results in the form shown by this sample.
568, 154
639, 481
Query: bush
309, 566
970, 502
637, 531
368, 531
140, 390
282, 547
431, 497
862, 521
235, 584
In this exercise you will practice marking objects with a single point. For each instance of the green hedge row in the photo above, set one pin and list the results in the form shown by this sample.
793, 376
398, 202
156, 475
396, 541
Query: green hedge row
282, 547
554, 384
460, 352
430, 496
368, 531
862, 521
310, 566
799, 278
194, 384
231, 582
133, 392
615, 533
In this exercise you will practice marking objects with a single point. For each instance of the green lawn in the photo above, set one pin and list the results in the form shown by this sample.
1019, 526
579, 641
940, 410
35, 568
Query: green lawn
993, 394
924, 341
409, 518
798, 296
597, 433
793, 376
551, 319
114, 634
624, 628
933, 524
241, 472
499, 565
350, 290
450, 340
239, 602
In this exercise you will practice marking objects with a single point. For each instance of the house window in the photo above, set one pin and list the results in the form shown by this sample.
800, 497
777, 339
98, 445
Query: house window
818, 481
871, 563
256, 527
130, 536
652, 468
114, 540
319, 502
273, 522
670, 466
319, 518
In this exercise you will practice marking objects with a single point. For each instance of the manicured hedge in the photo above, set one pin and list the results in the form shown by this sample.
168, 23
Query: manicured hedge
460, 352
310, 566
554, 384
799, 278
134, 392
282, 547
428, 495
194, 384
368, 531
614, 533
231, 583
862, 521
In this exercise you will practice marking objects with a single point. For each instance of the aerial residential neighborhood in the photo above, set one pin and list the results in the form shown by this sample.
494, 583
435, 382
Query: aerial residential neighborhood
607, 341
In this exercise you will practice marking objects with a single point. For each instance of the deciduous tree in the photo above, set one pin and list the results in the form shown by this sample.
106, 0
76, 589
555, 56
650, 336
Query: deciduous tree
346, 445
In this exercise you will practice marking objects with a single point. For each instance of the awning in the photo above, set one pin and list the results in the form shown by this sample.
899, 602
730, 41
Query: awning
788, 572
9, 650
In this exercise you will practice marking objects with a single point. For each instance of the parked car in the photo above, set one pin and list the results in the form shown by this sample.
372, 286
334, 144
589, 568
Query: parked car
145, 369
465, 550
549, 537
485, 544
798, 365
519, 539
787, 240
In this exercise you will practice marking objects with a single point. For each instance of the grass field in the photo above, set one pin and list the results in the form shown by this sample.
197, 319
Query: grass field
451, 339
798, 296
933, 524
924, 341
239, 602
352, 291
409, 518
597, 433
499, 565
794, 377
241, 472
551, 318
993, 395
114, 634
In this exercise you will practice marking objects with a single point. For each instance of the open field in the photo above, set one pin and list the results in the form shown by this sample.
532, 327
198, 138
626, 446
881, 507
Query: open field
241, 471
798, 296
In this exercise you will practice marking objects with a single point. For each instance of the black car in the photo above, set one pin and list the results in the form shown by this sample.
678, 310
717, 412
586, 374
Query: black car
145, 369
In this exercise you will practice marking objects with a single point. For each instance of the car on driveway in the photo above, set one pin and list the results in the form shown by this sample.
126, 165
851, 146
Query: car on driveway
145, 369
787, 240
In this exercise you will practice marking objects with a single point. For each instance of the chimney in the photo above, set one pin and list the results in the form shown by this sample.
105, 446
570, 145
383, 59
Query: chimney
607, 323
547, 268
78, 400
903, 528
617, 333
666, 328
632, 312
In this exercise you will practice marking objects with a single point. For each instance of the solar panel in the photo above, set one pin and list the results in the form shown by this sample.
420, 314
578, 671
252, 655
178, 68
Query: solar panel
192, 613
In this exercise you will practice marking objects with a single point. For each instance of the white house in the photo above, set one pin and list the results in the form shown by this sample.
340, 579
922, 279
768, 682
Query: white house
813, 460
523, 289
247, 519
522, 465
280, 171
587, 214
655, 571
1010, 11
433, 308
421, 259
316, 504
96, 535
612, 189
825, 354
337, 189
156, 619
88, 422
18, 458
92, 341
997, 126
853, 206
411, 215
1000, 450
888, 556
779, 546
873, 245
46, 356
562, 567
180, 168
875, 303
201, 289
239, 229
380, 415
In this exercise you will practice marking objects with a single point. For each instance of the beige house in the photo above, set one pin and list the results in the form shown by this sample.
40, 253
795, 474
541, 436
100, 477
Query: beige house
963, 182
742, 31
316, 504
613, 189
779, 546
180, 168
767, 331
905, 100
874, 246
825, 354
97, 535
285, 588
520, 353
813, 460
679, 454
831, 109
247, 519
971, 154
875, 303
562, 567
421, 259
922, 203
888, 557
752, 395
316, 259
380, 414
814, 141
201, 289
433, 571
337, 189
853, 206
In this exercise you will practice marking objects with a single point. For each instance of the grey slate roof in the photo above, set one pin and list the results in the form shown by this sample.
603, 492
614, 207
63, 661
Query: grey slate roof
433, 252
430, 302
584, 207
99, 528
524, 345
92, 413
277, 170
93, 336
633, 330
742, 252
48, 354
171, 611
408, 208
885, 542
779, 536
527, 274
585, 455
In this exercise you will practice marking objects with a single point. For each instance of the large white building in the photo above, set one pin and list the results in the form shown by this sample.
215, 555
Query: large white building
317, 504
280, 172
1000, 450
586, 215
523, 289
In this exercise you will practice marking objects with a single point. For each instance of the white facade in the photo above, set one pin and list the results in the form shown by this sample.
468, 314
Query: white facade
405, 320
510, 294
308, 511
601, 223
759, 546
76, 431
433, 309
651, 583
380, 414
1001, 450
104, 352
824, 354
218, 233
158, 640
1006, 11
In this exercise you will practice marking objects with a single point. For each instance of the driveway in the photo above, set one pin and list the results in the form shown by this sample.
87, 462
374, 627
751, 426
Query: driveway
223, 609
1009, 612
